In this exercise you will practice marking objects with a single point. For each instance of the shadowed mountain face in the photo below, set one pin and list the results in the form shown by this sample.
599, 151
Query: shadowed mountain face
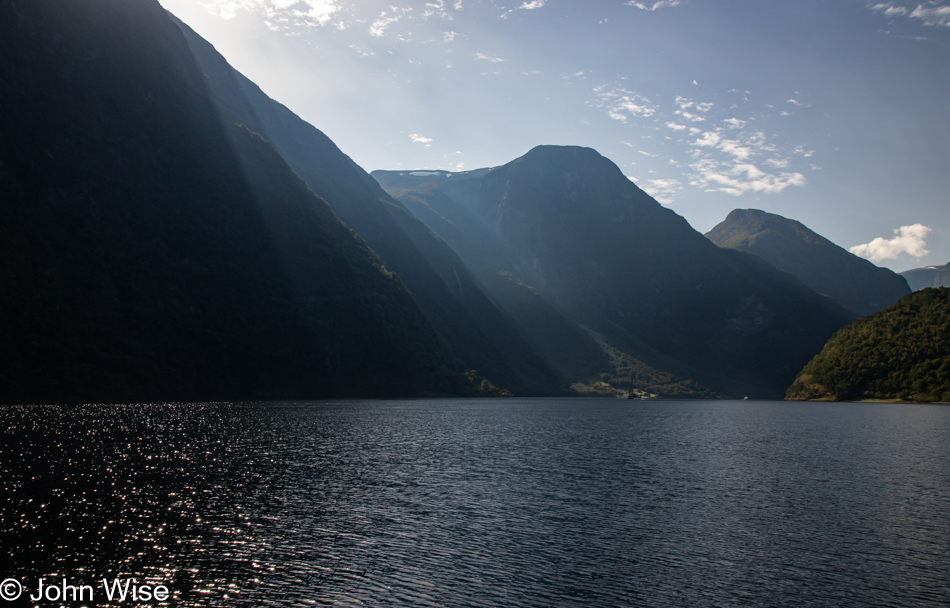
853, 282
150, 249
931, 276
476, 331
570, 225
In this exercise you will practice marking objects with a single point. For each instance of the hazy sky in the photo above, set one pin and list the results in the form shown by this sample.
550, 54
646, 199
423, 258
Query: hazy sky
834, 113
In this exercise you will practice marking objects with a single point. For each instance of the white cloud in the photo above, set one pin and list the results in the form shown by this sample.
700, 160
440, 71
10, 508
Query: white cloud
741, 178
889, 9
420, 139
803, 152
933, 15
449, 36
438, 9
527, 5
930, 13
709, 139
735, 148
663, 190
726, 156
647, 6
361, 52
685, 103
690, 116
622, 104
907, 239
378, 27
300, 12
484, 57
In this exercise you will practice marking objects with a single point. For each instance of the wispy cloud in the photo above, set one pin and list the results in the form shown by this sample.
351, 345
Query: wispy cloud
385, 19
622, 104
362, 53
416, 138
663, 190
490, 58
907, 239
439, 9
725, 156
298, 12
889, 9
930, 12
653, 6
688, 108
932, 15
733, 168
527, 5
740, 178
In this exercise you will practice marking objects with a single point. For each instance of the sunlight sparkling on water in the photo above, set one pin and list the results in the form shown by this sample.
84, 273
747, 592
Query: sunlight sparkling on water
484, 503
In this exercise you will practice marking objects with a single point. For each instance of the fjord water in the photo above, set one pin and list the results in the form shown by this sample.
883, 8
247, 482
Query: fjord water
513, 502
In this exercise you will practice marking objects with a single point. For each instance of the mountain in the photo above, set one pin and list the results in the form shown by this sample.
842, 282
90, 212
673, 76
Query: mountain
566, 223
479, 335
853, 282
899, 353
569, 348
151, 249
931, 276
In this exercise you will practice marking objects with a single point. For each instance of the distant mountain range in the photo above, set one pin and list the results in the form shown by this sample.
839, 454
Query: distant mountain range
930, 276
902, 353
853, 282
168, 232
567, 225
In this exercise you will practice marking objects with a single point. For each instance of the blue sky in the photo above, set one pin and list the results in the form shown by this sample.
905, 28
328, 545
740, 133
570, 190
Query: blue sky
834, 113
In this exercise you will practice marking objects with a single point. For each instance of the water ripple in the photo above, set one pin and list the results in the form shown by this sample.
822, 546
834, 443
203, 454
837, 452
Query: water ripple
485, 503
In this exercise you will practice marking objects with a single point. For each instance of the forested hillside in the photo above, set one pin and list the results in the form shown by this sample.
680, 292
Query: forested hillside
899, 353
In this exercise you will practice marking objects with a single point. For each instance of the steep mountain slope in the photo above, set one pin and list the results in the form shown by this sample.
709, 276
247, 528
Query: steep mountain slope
899, 353
930, 276
480, 336
150, 250
573, 227
853, 282
566, 345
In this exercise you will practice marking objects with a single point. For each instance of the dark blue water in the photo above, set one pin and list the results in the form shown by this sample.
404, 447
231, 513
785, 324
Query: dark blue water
483, 503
